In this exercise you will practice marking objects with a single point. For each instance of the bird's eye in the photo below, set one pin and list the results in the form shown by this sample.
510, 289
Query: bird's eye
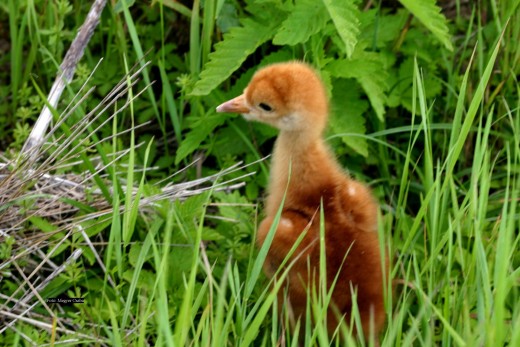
265, 107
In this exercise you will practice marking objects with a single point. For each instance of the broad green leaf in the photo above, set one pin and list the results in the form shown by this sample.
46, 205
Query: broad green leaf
400, 82
311, 13
230, 53
135, 255
201, 129
227, 17
191, 207
430, 15
42, 224
182, 257
370, 71
345, 14
189, 210
144, 279
379, 30
347, 115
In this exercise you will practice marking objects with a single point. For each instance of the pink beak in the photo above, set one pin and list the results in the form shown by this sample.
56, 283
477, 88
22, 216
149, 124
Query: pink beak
236, 105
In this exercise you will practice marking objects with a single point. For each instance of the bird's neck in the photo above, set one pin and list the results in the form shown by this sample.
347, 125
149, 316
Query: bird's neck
306, 159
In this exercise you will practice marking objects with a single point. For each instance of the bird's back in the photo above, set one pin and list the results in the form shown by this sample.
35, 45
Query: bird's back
353, 257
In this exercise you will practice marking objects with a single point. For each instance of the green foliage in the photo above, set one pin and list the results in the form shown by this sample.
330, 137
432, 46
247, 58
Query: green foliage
350, 55
202, 128
369, 70
345, 16
229, 54
430, 15
291, 32
435, 133
347, 116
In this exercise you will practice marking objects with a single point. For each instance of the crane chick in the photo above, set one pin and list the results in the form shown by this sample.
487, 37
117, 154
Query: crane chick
291, 97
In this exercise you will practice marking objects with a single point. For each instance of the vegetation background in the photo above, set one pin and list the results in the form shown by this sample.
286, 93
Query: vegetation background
425, 109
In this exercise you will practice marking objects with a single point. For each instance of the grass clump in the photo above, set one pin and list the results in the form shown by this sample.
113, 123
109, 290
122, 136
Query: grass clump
135, 203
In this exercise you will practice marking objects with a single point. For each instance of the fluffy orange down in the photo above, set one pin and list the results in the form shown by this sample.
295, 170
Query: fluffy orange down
291, 97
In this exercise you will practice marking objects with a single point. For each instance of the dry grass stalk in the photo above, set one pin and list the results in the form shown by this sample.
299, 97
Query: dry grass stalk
67, 68
44, 186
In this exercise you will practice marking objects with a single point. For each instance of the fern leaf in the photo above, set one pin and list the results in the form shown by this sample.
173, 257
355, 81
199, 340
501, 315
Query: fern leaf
306, 18
430, 15
345, 14
231, 52
347, 116
376, 94
201, 129
369, 70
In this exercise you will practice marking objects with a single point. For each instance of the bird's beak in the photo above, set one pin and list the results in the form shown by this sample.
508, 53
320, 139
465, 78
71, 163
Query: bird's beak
236, 105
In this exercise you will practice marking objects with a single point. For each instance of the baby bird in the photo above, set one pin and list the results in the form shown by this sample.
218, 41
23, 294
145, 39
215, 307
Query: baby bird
291, 97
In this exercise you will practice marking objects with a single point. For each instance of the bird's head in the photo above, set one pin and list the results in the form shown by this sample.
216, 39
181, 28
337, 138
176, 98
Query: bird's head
289, 96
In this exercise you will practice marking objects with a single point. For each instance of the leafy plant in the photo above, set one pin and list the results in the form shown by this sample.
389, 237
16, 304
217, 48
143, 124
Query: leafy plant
365, 58
434, 131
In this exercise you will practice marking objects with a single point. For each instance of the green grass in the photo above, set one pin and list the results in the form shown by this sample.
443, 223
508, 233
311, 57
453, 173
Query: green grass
444, 164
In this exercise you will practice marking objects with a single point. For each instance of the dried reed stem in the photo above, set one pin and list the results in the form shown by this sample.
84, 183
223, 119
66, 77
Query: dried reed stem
67, 67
